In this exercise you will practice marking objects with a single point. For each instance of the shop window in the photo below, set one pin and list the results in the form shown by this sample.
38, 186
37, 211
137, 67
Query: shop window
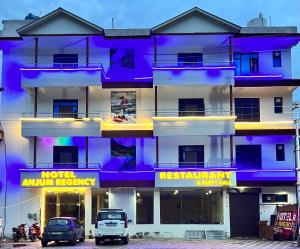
64, 204
144, 207
248, 156
280, 152
190, 59
123, 152
191, 107
65, 156
99, 200
122, 57
191, 207
65, 108
276, 58
65, 60
273, 198
245, 63
247, 109
278, 105
191, 155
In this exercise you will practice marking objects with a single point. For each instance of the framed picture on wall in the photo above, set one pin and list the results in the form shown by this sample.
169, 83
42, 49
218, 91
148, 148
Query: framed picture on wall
123, 106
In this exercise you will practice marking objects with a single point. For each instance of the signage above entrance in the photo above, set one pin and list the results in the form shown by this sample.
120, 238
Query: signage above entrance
197, 178
59, 178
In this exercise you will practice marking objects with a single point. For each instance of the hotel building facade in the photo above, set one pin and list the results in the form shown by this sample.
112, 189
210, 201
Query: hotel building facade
187, 125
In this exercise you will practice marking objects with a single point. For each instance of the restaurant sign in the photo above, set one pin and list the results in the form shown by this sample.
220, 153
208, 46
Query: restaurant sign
66, 178
195, 179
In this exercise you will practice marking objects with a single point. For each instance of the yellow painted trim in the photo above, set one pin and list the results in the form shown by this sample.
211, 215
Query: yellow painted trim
277, 125
194, 118
124, 127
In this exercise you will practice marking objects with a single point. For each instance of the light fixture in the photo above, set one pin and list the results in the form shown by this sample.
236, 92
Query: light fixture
138, 194
107, 193
176, 192
209, 191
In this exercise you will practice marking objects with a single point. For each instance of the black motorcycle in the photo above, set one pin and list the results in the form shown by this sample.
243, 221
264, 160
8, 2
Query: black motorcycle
19, 232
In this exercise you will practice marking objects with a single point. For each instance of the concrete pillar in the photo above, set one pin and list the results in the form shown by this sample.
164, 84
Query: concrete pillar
156, 206
226, 212
88, 210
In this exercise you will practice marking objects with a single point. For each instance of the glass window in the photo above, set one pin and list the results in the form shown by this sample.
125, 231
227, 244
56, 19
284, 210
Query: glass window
276, 58
248, 156
65, 60
278, 105
111, 216
280, 154
271, 198
191, 155
190, 59
191, 107
144, 207
122, 57
65, 156
65, 108
246, 63
99, 200
247, 109
191, 207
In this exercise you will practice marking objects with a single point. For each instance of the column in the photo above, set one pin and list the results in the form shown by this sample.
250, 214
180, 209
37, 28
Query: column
156, 206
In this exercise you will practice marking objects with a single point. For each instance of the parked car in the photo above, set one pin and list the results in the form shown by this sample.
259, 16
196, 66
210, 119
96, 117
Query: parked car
63, 229
111, 224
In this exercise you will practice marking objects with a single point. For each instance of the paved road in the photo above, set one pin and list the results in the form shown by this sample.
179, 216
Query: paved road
171, 244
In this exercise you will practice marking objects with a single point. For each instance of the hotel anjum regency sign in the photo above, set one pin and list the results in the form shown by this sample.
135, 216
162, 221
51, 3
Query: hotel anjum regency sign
67, 178
195, 178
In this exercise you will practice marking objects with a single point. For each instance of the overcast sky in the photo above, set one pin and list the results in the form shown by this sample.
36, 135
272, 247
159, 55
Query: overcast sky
149, 13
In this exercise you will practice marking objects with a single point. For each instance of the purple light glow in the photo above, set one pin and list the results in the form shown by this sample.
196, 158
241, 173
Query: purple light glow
195, 68
63, 69
257, 76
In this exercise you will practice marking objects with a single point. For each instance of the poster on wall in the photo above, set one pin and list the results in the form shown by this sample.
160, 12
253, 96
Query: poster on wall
123, 106
123, 150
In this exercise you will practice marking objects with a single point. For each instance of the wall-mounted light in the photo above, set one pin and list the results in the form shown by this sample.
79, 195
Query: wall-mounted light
176, 192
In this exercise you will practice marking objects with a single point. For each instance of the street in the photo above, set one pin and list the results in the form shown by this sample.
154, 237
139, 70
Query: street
167, 244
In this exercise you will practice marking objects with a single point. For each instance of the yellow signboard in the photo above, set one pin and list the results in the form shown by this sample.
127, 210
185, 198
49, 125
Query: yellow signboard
68, 178
195, 179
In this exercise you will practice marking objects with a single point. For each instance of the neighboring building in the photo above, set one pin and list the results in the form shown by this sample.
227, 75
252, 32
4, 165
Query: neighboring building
187, 125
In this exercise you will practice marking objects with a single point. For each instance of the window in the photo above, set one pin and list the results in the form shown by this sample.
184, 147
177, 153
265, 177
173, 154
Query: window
99, 200
191, 207
248, 156
246, 63
65, 156
191, 107
122, 57
65, 108
65, 60
191, 155
247, 109
271, 198
280, 155
278, 106
144, 207
190, 59
276, 58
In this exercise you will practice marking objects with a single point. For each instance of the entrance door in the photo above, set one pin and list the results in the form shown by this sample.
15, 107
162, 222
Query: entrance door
244, 215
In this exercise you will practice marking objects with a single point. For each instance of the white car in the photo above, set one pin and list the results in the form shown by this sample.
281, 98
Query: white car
111, 224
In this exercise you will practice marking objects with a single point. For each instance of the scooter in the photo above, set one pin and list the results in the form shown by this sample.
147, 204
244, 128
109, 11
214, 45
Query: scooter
19, 232
34, 232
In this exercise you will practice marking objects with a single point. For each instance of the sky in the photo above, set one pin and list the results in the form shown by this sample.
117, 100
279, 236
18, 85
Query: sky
149, 13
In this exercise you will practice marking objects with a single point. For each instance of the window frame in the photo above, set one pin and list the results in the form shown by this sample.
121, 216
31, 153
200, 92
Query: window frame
200, 155
278, 108
74, 114
277, 60
252, 117
62, 64
62, 165
182, 63
258, 161
280, 153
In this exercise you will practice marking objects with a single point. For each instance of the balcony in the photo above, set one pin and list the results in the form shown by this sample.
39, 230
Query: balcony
44, 124
190, 74
172, 123
61, 75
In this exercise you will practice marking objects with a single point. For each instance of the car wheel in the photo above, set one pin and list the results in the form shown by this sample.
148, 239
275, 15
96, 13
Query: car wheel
125, 240
97, 241
44, 243
73, 241
82, 238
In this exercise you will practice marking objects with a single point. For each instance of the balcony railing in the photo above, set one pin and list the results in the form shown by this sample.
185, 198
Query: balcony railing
208, 65
218, 165
63, 166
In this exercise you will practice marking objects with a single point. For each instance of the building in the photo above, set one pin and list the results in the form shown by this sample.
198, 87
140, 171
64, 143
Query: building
186, 125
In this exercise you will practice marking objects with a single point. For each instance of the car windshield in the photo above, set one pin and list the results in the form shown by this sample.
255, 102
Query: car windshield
58, 222
111, 216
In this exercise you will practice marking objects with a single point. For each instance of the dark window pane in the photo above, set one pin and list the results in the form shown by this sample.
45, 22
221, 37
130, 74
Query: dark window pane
65, 156
278, 105
271, 198
65, 60
280, 154
190, 59
191, 107
144, 207
277, 59
191, 155
247, 109
246, 63
170, 208
248, 156
65, 108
